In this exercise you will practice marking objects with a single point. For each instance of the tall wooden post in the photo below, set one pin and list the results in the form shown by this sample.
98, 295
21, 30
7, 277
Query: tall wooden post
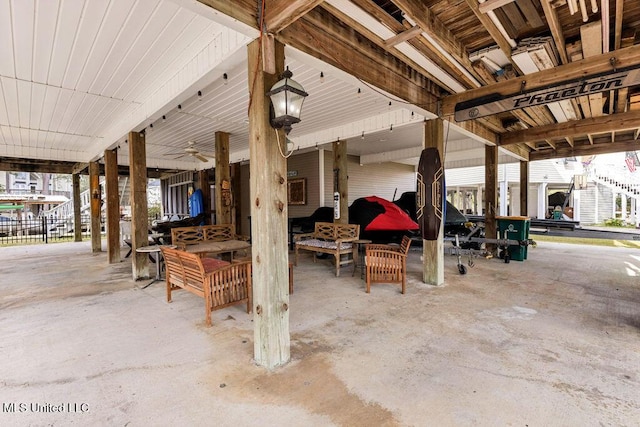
113, 205
77, 217
139, 208
268, 185
236, 191
524, 188
96, 201
340, 180
223, 179
433, 250
203, 185
491, 194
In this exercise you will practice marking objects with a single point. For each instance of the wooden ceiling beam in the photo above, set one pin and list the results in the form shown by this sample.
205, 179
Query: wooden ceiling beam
244, 11
626, 57
438, 31
556, 30
575, 128
322, 36
403, 36
490, 5
378, 41
621, 145
495, 33
10, 164
279, 14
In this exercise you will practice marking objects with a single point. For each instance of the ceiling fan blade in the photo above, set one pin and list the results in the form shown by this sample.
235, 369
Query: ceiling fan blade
201, 157
173, 154
179, 157
209, 155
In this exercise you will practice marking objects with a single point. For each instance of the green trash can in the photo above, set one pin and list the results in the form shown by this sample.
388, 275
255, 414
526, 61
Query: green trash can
515, 228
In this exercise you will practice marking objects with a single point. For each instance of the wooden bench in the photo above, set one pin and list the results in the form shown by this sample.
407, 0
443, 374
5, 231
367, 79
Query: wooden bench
204, 239
220, 283
330, 238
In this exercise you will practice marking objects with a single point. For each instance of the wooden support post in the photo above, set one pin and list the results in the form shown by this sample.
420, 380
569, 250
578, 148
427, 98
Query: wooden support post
491, 194
139, 208
341, 177
433, 250
77, 216
524, 188
223, 179
236, 191
96, 199
268, 185
113, 205
203, 185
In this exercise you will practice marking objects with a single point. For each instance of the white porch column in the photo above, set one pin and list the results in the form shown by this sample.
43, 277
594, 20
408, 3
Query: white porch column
479, 203
542, 200
623, 206
503, 197
576, 205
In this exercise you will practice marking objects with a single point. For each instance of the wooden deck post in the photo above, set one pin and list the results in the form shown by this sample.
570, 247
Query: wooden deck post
340, 179
205, 187
139, 208
77, 216
433, 250
236, 191
491, 194
223, 179
113, 205
524, 188
268, 189
96, 199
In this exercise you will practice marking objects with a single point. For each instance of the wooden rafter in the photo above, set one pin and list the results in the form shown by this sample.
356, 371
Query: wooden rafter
378, 41
575, 128
556, 30
621, 144
495, 33
490, 5
403, 36
321, 35
575, 70
281, 13
435, 28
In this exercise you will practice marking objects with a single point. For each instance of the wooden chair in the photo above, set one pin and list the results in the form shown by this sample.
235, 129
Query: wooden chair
387, 264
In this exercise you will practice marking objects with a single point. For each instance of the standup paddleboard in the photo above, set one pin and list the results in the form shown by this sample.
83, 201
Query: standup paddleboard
430, 194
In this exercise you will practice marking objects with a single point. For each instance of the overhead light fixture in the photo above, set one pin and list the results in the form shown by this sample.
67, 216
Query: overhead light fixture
225, 78
287, 97
199, 95
164, 119
321, 77
359, 92
362, 137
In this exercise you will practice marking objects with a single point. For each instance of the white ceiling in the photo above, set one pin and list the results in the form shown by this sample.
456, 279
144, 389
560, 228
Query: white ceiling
77, 75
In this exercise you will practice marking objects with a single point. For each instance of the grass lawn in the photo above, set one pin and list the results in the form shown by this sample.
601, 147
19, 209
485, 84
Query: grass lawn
586, 241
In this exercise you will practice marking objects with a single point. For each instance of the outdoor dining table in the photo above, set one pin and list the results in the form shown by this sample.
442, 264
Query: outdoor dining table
225, 246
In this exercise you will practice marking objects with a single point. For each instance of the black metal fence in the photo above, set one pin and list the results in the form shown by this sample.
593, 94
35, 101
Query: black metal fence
41, 230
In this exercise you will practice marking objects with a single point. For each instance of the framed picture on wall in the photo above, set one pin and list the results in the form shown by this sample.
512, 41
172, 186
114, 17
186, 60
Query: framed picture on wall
297, 191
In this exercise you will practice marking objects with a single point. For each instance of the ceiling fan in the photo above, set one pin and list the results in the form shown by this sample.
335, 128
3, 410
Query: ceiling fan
191, 151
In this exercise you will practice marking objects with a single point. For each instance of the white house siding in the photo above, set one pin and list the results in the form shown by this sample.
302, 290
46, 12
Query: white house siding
305, 166
380, 180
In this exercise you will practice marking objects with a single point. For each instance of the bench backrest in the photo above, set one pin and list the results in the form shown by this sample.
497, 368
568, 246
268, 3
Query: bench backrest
335, 231
184, 269
200, 233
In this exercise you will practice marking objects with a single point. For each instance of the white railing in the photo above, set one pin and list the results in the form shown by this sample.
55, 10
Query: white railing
65, 210
619, 181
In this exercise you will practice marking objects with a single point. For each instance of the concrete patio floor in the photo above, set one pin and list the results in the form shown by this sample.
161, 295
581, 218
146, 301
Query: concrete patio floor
554, 340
